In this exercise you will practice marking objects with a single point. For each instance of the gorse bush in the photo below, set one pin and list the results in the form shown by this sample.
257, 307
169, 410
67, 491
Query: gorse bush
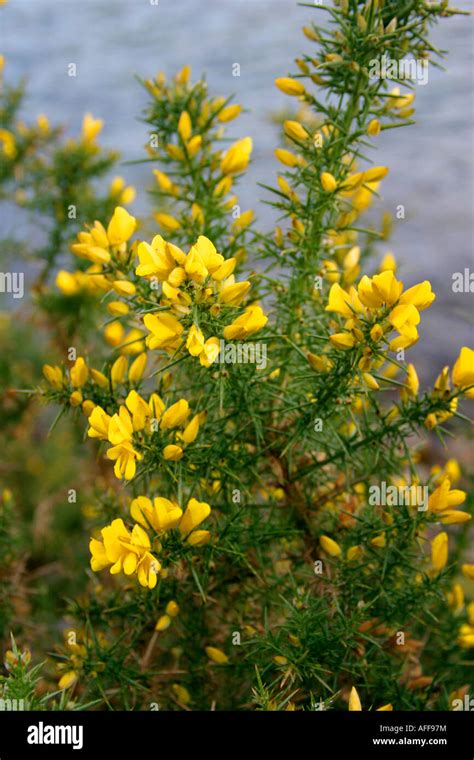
265, 531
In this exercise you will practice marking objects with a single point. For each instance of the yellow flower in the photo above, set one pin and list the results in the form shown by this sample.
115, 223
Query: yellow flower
161, 514
163, 180
244, 220
182, 77
139, 410
197, 214
376, 333
229, 113
53, 375
172, 609
319, 363
67, 283
217, 655
196, 512
342, 340
225, 270
374, 127
290, 86
194, 145
118, 370
137, 368
375, 174
121, 227
468, 571
163, 623
156, 405
75, 399
370, 381
175, 152
388, 262
168, 222
451, 470
165, 330
99, 378
295, 130
404, 318
181, 693
234, 293
173, 453
463, 370
122, 452
412, 383
79, 373
176, 415
453, 517
328, 182
470, 613
195, 267
252, 320
185, 126
118, 308
346, 303
88, 407
94, 253
354, 700
210, 352
124, 287
68, 679
384, 289
191, 430
158, 259
354, 553
114, 334
310, 33
205, 252
125, 552
237, 157
466, 636
91, 128
195, 341
421, 296
286, 157
223, 186
439, 551
330, 546
445, 498
99, 424
8, 143
379, 541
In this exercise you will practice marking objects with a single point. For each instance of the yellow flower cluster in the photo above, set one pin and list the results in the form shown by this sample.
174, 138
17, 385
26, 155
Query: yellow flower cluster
135, 417
133, 420
378, 306
462, 377
99, 245
130, 552
125, 552
164, 621
201, 277
200, 280
162, 515
80, 374
443, 502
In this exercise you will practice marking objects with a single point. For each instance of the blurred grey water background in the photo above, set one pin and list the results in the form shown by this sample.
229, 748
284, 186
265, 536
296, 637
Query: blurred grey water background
112, 40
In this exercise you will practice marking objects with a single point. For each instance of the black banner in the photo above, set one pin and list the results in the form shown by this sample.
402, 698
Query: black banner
215, 734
